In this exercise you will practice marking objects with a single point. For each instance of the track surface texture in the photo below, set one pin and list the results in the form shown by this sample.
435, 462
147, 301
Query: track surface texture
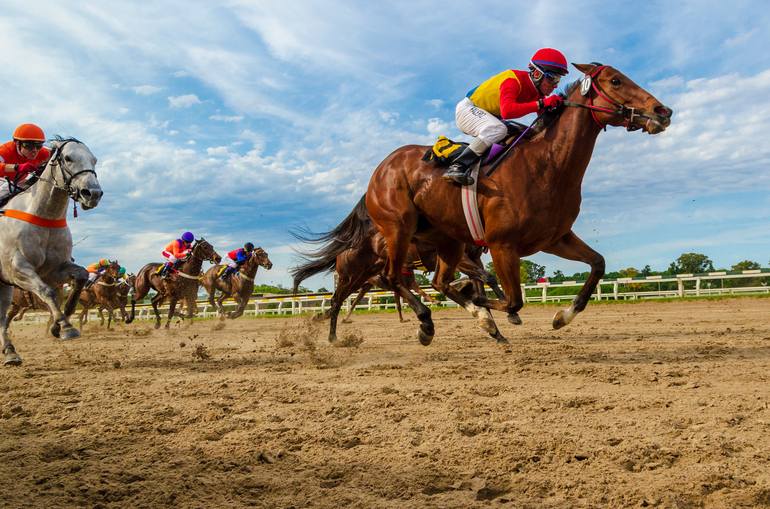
632, 405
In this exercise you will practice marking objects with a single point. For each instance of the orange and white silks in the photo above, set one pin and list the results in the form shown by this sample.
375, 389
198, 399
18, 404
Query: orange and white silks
33, 219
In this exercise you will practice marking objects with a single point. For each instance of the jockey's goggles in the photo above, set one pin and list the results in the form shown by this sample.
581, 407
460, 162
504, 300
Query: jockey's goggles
31, 145
552, 77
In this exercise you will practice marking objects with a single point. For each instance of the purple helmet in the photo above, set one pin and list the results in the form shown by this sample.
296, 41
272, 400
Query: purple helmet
188, 237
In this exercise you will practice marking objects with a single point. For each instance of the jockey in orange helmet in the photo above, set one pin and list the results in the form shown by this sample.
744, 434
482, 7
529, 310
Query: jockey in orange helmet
95, 270
20, 158
176, 251
507, 95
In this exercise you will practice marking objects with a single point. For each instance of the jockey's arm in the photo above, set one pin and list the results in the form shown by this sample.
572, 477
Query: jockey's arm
510, 108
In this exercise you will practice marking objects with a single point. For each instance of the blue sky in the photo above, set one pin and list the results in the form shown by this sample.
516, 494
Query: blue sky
239, 120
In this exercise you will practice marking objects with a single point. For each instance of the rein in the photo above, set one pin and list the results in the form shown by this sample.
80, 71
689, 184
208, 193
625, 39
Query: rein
627, 112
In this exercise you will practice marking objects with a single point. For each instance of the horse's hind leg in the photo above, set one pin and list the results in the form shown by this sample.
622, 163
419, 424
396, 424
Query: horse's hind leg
449, 255
11, 358
155, 301
356, 301
572, 247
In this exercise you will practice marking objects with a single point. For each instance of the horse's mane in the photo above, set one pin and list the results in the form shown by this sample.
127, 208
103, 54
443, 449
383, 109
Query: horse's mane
60, 139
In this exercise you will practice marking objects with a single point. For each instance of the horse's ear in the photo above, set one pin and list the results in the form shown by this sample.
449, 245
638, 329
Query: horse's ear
585, 68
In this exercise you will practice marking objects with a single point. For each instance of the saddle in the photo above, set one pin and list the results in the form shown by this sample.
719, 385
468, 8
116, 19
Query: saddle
445, 151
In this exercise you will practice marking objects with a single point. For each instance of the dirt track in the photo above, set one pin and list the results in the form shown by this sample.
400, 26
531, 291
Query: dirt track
653, 404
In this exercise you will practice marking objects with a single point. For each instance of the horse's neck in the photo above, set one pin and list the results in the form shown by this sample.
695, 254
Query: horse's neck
251, 268
42, 199
192, 266
569, 144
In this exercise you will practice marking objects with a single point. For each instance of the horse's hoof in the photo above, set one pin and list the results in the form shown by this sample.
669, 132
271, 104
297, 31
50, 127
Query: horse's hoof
501, 340
514, 319
424, 338
558, 320
157, 326
404, 320
319, 317
55, 330
347, 321
69, 333
12, 360
332, 338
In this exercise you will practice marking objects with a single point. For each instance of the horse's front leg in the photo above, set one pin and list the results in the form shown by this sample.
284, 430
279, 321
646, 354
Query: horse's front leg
11, 358
572, 247
27, 279
507, 265
78, 276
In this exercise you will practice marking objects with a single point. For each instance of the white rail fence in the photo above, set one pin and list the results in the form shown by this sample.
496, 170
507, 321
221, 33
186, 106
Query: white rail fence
651, 287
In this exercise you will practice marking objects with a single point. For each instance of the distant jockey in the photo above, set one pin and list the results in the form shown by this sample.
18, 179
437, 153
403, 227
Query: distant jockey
237, 257
507, 95
21, 158
122, 274
176, 252
95, 271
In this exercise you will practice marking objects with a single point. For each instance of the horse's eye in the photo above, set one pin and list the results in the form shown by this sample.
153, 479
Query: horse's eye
615, 82
68, 159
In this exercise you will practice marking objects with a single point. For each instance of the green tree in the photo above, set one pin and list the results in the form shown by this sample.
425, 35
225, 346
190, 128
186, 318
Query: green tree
746, 265
558, 276
421, 279
691, 263
629, 272
322, 290
528, 271
531, 271
646, 271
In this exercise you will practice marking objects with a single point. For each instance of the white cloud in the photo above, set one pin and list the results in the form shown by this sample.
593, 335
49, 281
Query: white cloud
183, 101
146, 89
226, 118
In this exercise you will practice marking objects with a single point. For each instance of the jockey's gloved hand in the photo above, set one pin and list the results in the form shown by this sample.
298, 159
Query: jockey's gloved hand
25, 168
553, 101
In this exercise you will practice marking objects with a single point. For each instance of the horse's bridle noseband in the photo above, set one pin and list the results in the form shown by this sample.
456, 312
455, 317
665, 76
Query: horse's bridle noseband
67, 175
626, 112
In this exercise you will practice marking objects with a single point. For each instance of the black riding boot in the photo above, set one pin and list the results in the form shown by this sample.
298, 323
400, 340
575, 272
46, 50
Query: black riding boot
459, 171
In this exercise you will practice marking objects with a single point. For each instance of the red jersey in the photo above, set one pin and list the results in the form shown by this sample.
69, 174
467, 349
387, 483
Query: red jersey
9, 155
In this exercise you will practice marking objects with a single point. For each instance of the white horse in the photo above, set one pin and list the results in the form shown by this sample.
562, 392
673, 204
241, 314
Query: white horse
35, 242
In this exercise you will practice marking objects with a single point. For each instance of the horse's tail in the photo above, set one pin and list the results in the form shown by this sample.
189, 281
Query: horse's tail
350, 233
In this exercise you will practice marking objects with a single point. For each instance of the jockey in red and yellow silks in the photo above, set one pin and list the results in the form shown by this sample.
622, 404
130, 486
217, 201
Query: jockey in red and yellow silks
21, 157
506, 95
176, 251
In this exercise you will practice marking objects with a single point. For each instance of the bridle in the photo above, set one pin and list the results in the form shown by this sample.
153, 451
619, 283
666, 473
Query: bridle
68, 176
628, 113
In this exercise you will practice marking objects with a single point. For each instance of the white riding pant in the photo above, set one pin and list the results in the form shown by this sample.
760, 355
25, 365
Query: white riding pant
479, 123
232, 264
5, 190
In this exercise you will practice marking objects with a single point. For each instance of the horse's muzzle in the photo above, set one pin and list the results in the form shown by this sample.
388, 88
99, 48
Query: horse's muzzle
89, 198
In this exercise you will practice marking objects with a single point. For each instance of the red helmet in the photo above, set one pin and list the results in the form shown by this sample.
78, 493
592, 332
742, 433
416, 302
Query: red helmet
550, 60
28, 132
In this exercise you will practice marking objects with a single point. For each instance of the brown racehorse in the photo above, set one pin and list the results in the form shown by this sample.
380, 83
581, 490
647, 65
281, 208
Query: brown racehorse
470, 264
24, 301
357, 252
528, 205
102, 293
121, 297
238, 286
183, 284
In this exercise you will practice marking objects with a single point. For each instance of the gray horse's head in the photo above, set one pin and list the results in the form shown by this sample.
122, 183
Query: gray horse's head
72, 169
